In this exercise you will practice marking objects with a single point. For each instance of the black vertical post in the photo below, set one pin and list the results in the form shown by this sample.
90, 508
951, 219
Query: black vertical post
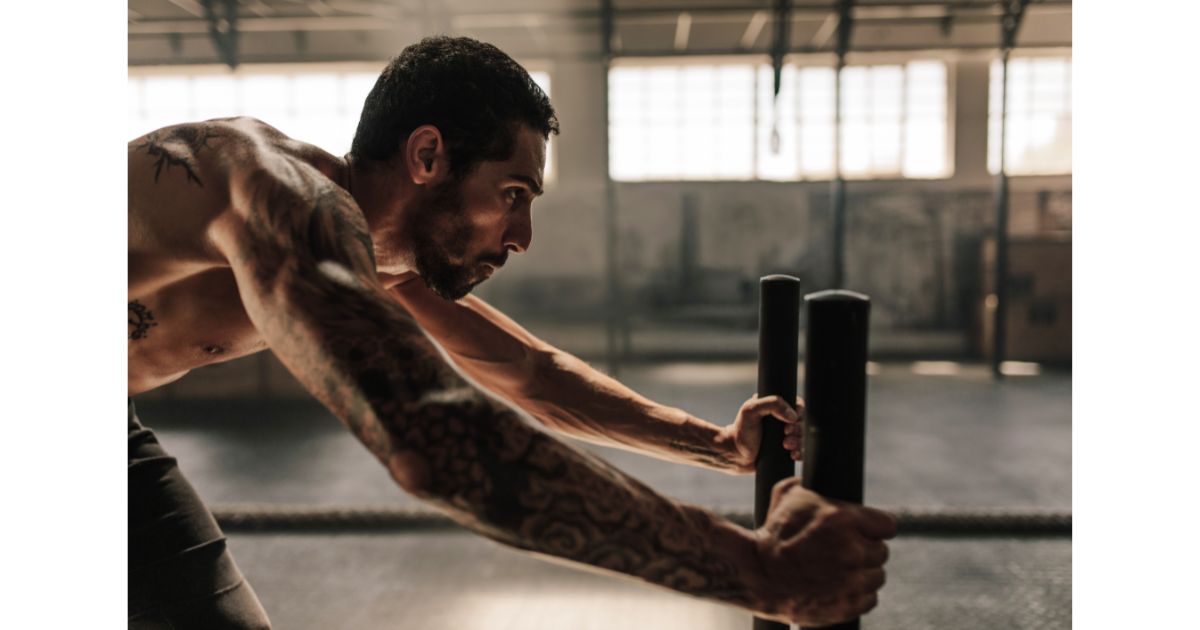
838, 186
689, 248
1000, 279
1014, 10
615, 324
222, 18
778, 340
835, 397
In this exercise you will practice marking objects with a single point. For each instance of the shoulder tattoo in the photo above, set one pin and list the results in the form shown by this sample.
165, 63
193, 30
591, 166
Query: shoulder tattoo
178, 147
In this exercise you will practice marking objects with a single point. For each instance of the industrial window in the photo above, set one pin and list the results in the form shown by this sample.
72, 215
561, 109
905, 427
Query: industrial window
320, 105
1039, 117
718, 121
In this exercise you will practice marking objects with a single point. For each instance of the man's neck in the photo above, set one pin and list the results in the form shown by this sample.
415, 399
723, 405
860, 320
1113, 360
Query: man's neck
384, 199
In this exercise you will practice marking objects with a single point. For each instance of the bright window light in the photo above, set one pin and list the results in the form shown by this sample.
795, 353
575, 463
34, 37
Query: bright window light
672, 121
319, 106
1039, 117
681, 122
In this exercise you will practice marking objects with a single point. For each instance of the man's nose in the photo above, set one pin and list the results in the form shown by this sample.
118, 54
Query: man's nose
519, 234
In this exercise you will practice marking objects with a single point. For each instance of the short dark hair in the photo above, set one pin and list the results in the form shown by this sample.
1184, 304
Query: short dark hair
471, 91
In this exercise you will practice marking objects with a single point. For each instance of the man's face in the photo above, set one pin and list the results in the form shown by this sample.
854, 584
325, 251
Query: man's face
466, 229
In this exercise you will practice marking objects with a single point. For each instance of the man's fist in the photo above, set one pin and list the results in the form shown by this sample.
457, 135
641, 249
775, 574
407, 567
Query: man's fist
745, 433
822, 560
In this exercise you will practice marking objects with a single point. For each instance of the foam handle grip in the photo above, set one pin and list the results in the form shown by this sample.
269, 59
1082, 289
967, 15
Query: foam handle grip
778, 340
835, 397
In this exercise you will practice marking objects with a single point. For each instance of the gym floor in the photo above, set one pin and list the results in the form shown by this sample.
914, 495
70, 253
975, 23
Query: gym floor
939, 436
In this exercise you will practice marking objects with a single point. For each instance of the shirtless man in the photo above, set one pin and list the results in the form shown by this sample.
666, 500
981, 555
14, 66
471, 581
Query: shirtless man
355, 273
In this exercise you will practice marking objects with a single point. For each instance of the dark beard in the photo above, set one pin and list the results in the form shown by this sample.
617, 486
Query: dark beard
441, 236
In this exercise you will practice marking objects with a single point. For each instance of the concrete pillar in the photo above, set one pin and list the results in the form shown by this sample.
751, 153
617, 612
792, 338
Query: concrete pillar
970, 119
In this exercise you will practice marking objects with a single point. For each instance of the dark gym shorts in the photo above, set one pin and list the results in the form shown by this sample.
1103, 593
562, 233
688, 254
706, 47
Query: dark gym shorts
181, 576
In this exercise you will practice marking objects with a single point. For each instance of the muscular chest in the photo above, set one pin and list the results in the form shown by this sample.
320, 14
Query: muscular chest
189, 323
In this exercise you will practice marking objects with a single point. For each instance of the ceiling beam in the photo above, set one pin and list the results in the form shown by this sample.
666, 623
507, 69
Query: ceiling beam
507, 20
392, 17
266, 25
191, 6
683, 30
320, 8
754, 28
361, 7
821, 37
260, 8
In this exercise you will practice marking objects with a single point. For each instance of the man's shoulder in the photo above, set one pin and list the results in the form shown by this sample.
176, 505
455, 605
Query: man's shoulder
230, 144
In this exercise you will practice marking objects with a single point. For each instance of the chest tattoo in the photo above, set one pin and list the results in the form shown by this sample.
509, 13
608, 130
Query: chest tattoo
141, 320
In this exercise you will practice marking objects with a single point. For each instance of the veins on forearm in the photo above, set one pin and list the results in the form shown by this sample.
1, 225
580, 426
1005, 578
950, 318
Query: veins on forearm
705, 454
577, 400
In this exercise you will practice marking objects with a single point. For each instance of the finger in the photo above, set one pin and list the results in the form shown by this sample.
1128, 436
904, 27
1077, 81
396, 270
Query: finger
875, 554
872, 580
768, 406
876, 523
796, 432
863, 604
800, 406
782, 486
791, 443
775, 406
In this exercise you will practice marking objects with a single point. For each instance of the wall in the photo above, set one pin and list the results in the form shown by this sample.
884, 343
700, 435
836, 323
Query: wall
913, 245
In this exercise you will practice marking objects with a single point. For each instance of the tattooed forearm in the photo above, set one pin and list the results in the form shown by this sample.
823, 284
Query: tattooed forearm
141, 320
178, 146
496, 474
364, 357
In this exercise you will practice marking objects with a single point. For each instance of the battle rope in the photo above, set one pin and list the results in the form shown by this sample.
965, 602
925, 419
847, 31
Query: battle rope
912, 522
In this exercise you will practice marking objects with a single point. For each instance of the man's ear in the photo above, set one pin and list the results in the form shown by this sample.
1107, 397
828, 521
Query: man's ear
425, 155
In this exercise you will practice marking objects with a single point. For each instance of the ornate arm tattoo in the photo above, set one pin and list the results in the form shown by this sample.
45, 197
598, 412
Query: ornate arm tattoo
306, 276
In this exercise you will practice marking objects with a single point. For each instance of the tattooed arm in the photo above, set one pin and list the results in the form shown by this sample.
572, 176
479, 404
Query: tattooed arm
300, 252
561, 391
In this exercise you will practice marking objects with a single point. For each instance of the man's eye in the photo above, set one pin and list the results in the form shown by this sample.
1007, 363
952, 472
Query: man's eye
513, 193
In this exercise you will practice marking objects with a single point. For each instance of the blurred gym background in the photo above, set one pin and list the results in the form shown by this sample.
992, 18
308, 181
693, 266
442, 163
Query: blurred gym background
705, 143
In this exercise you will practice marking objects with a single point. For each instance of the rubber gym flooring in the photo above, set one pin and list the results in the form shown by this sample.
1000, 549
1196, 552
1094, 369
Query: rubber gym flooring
950, 439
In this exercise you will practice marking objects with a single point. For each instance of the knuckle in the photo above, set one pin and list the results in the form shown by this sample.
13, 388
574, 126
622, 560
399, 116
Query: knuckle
791, 482
839, 516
